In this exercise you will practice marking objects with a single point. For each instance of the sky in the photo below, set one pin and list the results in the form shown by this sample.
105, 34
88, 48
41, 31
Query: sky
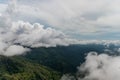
19, 33
79, 19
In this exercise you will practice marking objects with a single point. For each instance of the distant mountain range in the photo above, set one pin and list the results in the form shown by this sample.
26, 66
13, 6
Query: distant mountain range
49, 63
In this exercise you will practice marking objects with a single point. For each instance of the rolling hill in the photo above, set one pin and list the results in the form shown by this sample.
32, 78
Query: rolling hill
65, 59
48, 63
18, 68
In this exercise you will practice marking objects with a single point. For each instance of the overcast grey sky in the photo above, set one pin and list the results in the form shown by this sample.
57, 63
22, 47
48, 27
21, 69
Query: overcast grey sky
81, 19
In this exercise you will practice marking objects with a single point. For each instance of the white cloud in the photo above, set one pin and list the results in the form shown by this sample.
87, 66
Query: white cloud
79, 16
101, 67
16, 36
82, 17
26, 34
103, 42
98, 67
14, 31
3, 7
36, 35
67, 77
15, 50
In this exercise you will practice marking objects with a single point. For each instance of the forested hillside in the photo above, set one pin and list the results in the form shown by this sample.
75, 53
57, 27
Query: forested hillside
65, 59
18, 68
48, 63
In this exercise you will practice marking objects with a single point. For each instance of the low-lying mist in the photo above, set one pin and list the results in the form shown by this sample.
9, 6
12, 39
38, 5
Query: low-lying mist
97, 67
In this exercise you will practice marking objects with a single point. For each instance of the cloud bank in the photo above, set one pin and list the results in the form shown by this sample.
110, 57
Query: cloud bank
17, 32
98, 67
79, 17
100, 41
17, 36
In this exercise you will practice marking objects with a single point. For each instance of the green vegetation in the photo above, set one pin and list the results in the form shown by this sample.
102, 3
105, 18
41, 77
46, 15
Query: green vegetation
18, 68
64, 59
46, 63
